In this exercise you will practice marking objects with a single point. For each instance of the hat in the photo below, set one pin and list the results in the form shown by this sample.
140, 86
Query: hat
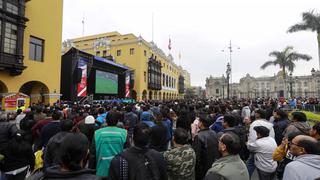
89, 120
263, 131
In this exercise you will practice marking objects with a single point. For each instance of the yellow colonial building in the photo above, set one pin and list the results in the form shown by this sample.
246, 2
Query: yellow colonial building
30, 51
156, 76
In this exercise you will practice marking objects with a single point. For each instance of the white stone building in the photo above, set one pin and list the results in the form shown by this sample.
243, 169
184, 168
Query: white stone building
267, 86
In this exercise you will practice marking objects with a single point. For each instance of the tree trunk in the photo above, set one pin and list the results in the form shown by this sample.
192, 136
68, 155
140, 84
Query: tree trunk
284, 72
318, 36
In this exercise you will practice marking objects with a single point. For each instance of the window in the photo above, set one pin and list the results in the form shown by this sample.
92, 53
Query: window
36, 49
1, 4
217, 91
305, 83
144, 76
104, 53
131, 51
10, 38
12, 8
163, 80
145, 53
98, 53
118, 52
167, 81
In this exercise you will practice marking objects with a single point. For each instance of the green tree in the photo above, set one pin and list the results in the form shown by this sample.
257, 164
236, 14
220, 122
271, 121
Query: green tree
285, 59
310, 22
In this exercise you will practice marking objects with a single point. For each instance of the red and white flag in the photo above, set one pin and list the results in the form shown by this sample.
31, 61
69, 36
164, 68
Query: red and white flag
169, 45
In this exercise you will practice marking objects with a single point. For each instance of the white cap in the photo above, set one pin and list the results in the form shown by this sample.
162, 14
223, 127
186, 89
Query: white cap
89, 120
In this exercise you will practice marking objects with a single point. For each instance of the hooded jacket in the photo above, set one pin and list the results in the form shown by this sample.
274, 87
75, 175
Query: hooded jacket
302, 127
228, 167
263, 149
304, 167
260, 122
56, 174
7, 131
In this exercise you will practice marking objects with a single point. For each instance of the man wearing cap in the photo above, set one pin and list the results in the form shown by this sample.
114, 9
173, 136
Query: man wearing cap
260, 116
87, 127
263, 149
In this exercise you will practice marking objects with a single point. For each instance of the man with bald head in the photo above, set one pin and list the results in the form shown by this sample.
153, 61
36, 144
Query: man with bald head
306, 165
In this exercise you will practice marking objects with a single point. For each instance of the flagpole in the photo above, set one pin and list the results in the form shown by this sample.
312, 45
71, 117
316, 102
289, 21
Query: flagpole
83, 25
152, 28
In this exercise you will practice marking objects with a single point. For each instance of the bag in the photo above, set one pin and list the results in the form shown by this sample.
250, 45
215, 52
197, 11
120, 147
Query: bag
38, 166
241, 132
141, 166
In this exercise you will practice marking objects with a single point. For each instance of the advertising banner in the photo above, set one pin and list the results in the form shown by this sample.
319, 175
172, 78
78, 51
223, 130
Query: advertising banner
127, 85
82, 85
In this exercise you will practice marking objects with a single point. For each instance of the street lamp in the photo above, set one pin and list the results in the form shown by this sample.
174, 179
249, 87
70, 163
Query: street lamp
291, 81
223, 84
228, 72
231, 48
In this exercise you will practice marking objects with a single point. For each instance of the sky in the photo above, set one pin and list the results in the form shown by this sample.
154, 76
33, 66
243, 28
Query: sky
201, 29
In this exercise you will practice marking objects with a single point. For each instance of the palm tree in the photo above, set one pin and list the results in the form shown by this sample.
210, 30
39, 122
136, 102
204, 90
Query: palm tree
285, 59
310, 22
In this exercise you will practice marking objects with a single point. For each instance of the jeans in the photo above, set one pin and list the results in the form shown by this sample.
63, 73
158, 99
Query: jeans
250, 164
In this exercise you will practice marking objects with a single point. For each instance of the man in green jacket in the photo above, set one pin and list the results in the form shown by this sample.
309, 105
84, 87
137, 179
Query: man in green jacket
108, 142
229, 166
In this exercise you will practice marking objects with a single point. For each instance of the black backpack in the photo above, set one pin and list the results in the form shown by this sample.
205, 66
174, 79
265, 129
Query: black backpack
141, 166
241, 132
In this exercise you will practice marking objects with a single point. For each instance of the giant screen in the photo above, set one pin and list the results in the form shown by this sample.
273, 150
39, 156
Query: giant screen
106, 83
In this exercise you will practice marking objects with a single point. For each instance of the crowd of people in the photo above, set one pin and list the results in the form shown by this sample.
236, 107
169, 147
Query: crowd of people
177, 140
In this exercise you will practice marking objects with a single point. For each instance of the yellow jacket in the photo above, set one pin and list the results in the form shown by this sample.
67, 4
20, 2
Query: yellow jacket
279, 153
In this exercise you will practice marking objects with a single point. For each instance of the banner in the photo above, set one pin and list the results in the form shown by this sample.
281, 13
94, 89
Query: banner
82, 85
127, 85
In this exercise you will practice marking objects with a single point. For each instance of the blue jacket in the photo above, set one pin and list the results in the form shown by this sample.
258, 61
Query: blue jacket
168, 124
217, 125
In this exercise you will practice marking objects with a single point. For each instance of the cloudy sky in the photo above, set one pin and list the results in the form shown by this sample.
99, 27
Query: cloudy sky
200, 29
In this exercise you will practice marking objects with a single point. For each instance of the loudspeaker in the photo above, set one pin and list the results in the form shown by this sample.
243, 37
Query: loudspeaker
78, 75
131, 83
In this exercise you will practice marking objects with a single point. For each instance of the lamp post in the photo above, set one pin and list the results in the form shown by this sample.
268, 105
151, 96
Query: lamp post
228, 72
313, 73
291, 81
230, 48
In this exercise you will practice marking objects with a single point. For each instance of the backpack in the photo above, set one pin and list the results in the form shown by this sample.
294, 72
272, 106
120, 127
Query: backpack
241, 132
141, 166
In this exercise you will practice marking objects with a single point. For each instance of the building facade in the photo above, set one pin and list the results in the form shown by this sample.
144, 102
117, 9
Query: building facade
30, 47
269, 86
156, 75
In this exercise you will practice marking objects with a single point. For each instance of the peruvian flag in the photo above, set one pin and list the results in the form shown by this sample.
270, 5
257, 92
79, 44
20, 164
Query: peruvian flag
169, 45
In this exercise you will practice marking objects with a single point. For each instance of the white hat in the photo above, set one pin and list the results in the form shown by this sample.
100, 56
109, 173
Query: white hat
89, 120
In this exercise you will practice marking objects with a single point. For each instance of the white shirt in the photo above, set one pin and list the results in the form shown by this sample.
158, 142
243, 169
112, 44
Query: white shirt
263, 149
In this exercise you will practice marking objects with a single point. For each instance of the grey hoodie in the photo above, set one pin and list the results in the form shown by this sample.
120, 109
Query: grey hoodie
304, 167
302, 127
